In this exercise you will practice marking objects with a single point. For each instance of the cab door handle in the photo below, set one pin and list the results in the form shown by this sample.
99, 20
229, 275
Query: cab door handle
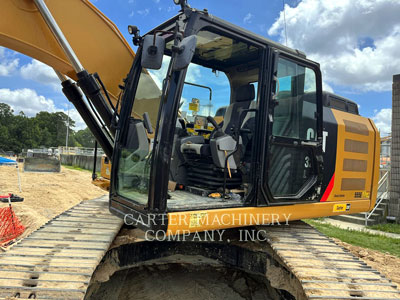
310, 143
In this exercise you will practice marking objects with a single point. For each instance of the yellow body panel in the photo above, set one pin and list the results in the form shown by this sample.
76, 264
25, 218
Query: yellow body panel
97, 42
103, 181
202, 220
357, 158
105, 171
376, 173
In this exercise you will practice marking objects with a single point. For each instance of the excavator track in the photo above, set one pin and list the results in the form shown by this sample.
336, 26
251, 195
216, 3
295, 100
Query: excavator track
295, 258
325, 269
57, 260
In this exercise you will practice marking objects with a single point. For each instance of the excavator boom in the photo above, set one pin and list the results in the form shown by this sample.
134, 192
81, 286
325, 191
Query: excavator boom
96, 40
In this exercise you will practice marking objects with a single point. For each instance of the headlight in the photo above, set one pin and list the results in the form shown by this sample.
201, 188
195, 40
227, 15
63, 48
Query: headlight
132, 29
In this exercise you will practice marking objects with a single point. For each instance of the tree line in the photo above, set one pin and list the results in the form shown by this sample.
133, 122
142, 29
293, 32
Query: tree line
18, 131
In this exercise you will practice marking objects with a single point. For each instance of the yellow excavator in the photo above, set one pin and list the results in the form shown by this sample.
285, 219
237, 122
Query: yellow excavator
259, 141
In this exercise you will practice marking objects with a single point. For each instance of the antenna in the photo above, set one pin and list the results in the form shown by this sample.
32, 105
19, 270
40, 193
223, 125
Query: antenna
284, 19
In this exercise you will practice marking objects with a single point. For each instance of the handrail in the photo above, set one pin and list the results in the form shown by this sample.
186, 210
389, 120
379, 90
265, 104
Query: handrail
368, 215
383, 181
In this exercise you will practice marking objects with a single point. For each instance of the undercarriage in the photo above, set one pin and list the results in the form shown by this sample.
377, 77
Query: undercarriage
75, 256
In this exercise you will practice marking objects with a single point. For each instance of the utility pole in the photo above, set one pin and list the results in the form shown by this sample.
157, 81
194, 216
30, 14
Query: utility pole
66, 138
394, 203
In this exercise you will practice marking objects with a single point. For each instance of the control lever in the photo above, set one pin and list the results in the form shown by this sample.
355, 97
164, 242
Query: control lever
147, 123
213, 122
183, 124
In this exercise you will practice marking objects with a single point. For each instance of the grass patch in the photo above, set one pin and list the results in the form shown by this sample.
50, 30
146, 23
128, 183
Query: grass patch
76, 168
359, 238
392, 228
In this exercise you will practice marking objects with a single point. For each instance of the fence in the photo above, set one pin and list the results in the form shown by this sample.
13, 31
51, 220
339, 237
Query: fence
80, 151
81, 161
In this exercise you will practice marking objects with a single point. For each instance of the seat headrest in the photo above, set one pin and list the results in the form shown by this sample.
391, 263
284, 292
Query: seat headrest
245, 93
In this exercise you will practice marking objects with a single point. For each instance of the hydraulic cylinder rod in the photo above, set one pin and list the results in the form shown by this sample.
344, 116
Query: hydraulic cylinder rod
51, 22
86, 81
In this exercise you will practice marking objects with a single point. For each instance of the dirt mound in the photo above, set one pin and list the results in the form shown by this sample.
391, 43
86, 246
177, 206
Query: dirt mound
46, 194
181, 281
387, 264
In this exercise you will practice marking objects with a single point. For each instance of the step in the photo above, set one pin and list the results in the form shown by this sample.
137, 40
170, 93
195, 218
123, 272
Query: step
383, 206
355, 219
380, 212
383, 202
375, 215
381, 209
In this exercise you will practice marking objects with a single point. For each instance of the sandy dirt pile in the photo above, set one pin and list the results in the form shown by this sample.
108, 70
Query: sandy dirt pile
46, 194
388, 265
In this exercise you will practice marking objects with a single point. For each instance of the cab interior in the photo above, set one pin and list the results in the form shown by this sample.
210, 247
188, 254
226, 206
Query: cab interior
212, 156
212, 152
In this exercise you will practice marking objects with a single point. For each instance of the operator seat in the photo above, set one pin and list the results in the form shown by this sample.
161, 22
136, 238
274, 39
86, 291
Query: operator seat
223, 143
243, 97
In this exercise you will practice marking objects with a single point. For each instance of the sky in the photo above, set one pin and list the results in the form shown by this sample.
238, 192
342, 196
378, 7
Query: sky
356, 43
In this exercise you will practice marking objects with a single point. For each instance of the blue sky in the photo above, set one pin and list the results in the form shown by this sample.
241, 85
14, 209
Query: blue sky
355, 41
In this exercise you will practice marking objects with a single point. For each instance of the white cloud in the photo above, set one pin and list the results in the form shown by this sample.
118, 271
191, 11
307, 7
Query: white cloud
355, 41
131, 14
28, 101
193, 74
248, 18
159, 75
262, 27
40, 72
8, 63
143, 12
74, 115
326, 87
383, 120
171, 8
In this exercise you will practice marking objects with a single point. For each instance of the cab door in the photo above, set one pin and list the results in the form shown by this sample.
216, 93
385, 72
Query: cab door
293, 162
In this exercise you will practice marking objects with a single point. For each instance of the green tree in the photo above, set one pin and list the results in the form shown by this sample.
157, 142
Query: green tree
85, 138
46, 129
54, 129
6, 113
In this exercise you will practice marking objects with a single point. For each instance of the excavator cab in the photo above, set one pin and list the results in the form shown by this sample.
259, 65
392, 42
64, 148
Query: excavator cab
172, 156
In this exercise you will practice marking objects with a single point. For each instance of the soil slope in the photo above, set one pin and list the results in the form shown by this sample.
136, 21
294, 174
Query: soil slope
46, 194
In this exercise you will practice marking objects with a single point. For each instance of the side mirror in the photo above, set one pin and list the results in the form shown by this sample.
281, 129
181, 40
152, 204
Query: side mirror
152, 52
185, 51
